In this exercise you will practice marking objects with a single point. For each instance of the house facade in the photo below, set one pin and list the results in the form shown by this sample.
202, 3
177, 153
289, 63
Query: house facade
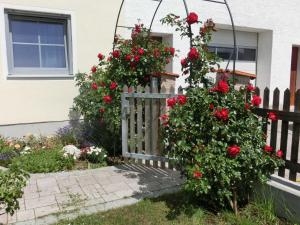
43, 44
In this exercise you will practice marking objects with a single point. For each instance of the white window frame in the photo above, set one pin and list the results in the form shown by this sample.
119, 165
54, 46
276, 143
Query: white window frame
48, 14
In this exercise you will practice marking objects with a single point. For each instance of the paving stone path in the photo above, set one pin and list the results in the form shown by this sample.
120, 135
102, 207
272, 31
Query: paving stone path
50, 197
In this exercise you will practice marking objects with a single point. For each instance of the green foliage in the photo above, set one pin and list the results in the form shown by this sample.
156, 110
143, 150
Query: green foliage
132, 64
44, 161
215, 136
94, 155
12, 182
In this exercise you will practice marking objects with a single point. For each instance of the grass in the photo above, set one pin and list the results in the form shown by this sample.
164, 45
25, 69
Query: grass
179, 209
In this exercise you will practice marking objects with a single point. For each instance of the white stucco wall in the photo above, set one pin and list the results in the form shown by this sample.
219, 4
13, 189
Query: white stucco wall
42, 100
275, 21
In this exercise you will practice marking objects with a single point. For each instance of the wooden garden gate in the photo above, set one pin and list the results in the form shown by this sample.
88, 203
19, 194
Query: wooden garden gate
141, 111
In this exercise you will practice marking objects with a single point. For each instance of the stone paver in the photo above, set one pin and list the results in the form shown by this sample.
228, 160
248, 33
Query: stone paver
50, 197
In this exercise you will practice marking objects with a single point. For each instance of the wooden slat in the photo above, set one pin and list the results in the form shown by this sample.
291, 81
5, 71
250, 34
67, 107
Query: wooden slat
266, 106
154, 120
132, 140
139, 124
147, 126
274, 124
163, 109
295, 139
124, 112
148, 95
284, 131
257, 91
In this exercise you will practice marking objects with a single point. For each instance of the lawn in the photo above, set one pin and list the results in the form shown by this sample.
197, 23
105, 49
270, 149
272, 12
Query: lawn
178, 209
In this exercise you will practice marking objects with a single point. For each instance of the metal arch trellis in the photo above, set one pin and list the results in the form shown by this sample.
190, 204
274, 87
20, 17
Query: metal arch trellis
224, 2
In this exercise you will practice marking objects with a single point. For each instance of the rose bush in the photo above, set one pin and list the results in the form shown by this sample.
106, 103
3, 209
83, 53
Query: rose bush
213, 134
131, 63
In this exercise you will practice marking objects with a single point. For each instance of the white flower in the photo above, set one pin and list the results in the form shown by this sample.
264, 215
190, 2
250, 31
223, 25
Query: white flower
105, 155
72, 150
27, 148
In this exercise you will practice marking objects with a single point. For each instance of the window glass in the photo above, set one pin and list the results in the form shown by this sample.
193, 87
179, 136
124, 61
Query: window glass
247, 54
24, 31
225, 53
26, 55
211, 49
53, 57
51, 33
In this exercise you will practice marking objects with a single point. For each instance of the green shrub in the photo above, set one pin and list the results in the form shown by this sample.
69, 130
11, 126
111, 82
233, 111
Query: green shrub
44, 161
12, 182
94, 155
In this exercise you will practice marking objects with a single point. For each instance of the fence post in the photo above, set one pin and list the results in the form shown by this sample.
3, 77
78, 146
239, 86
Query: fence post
154, 120
274, 125
132, 141
147, 126
266, 106
139, 107
124, 112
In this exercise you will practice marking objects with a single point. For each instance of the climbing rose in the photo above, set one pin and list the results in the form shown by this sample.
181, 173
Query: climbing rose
181, 99
109, 59
171, 102
193, 54
101, 110
94, 69
107, 99
100, 56
156, 53
197, 174
211, 106
272, 116
94, 86
113, 86
256, 100
141, 51
268, 148
172, 51
222, 114
165, 119
136, 58
116, 54
279, 153
192, 18
233, 150
223, 86
128, 57
102, 84
250, 88
184, 62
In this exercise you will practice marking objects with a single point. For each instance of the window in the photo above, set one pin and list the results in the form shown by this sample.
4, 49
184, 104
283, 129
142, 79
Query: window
244, 54
38, 45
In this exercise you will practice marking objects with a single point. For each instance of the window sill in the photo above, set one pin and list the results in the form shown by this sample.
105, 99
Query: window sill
56, 76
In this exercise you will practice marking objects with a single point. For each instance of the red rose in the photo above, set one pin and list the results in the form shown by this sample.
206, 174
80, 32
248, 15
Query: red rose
197, 174
181, 99
94, 86
156, 53
165, 119
136, 58
116, 54
279, 153
113, 86
141, 51
109, 59
233, 150
184, 62
250, 88
101, 110
222, 114
247, 106
107, 99
272, 116
100, 56
256, 100
132, 65
171, 102
223, 86
193, 54
138, 28
94, 69
128, 57
268, 148
192, 18
211, 106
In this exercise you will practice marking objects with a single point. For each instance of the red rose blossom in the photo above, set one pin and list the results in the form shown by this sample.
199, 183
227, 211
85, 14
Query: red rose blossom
222, 114
279, 153
256, 100
113, 86
94, 69
223, 86
165, 119
193, 54
272, 116
171, 102
197, 174
156, 53
172, 51
128, 57
247, 106
94, 86
101, 110
250, 88
192, 18
116, 54
184, 62
107, 99
100, 56
268, 148
211, 106
109, 59
136, 58
233, 150
141, 51
181, 99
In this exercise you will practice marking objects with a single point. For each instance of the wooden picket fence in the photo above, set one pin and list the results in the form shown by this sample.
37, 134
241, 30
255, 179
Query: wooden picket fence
285, 137
141, 111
